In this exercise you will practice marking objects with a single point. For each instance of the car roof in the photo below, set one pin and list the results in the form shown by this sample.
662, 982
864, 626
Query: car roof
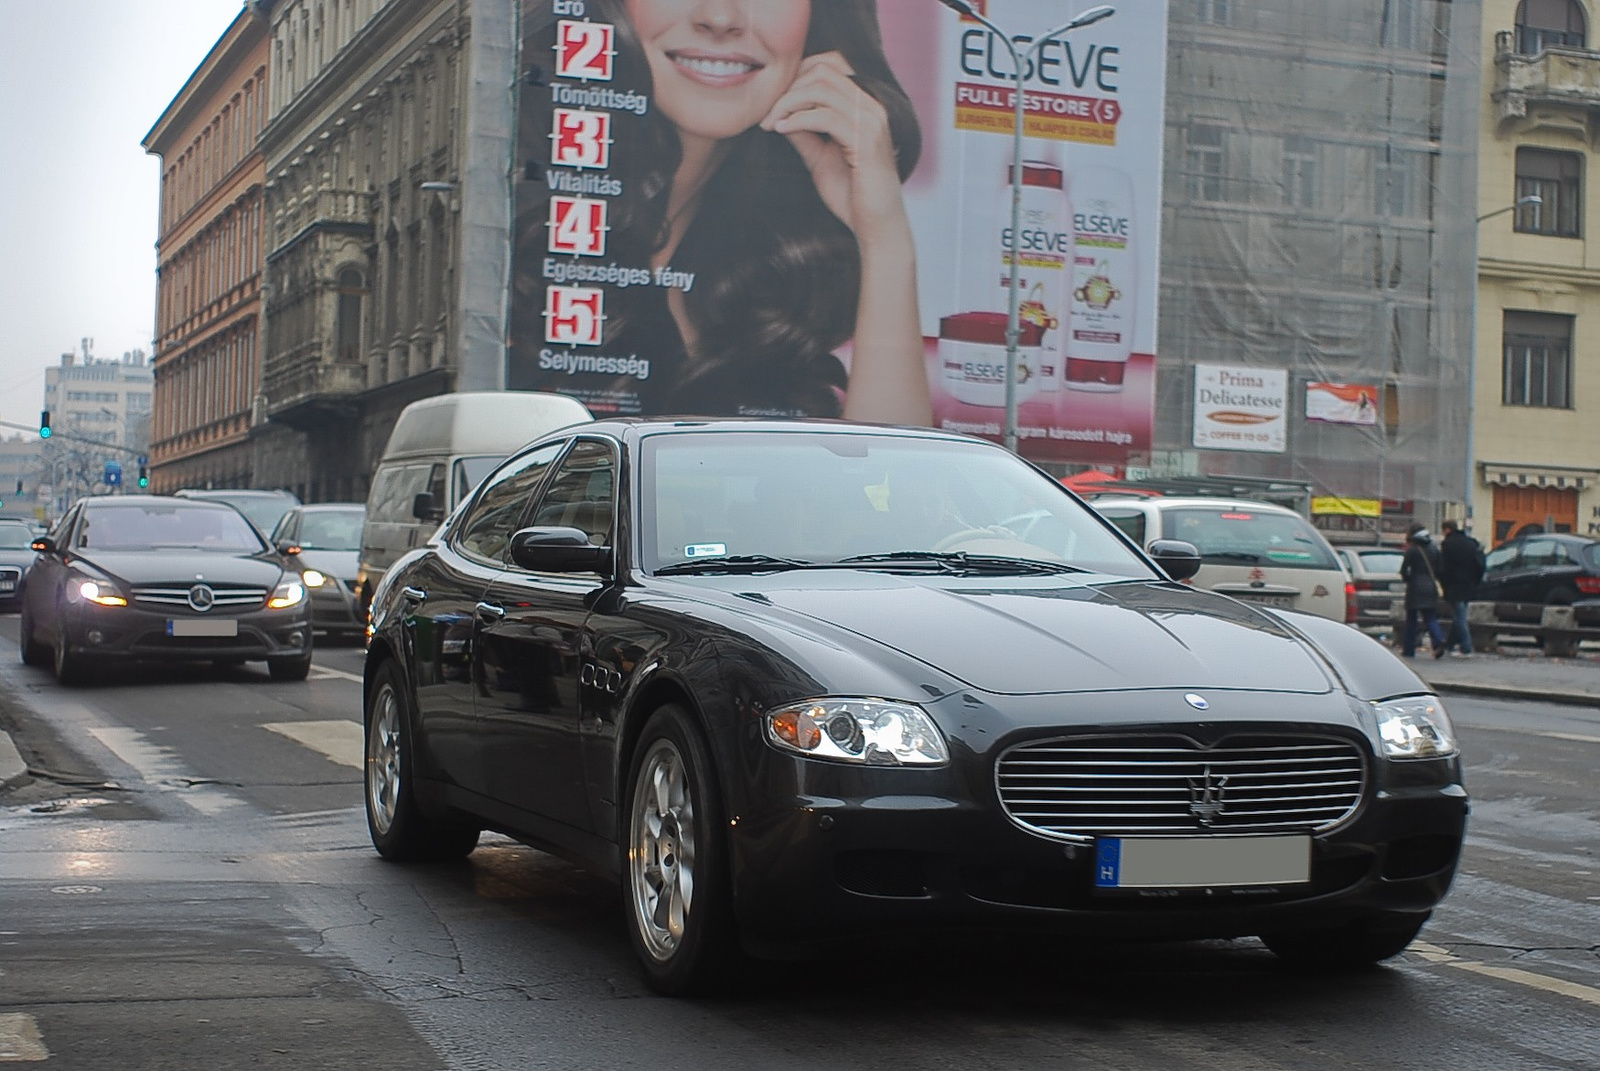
327, 507
642, 427
232, 492
118, 501
1191, 502
1565, 537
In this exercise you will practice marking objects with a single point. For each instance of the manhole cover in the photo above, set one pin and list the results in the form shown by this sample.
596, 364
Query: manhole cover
76, 890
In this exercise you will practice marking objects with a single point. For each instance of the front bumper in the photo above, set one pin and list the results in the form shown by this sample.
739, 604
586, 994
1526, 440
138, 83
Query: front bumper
134, 634
335, 609
823, 853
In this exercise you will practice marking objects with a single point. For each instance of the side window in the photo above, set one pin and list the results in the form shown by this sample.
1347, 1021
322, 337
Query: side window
1540, 553
487, 529
288, 530
1499, 560
1130, 521
436, 486
583, 493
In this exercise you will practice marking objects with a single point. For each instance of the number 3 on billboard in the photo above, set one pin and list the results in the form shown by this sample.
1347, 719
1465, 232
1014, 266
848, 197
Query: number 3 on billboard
574, 316
581, 139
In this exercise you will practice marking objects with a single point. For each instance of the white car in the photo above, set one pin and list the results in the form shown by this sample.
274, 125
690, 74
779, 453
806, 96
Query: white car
1255, 551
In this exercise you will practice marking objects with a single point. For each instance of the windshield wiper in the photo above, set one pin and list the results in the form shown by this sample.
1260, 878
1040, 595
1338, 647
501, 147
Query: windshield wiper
735, 563
957, 561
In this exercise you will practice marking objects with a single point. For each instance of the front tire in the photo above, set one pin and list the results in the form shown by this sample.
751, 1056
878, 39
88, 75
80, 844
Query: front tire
290, 669
675, 877
1349, 947
399, 829
34, 653
71, 669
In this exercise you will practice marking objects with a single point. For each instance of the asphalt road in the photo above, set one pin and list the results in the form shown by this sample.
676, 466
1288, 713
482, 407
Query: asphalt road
192, 887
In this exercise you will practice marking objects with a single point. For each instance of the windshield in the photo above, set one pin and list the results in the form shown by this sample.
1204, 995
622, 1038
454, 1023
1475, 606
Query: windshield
15, 537
821, 498
331, 529
157, 526
1229, 535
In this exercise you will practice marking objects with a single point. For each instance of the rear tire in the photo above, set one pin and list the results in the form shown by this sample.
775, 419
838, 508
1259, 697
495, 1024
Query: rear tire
676, 887
1345, 948
290, 669
399, 829
34, 653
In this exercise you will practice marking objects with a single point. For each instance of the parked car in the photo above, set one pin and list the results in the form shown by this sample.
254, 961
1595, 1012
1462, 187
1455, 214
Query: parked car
441, 447
327, 538
264, 508
1375, 573
1263, 553
799, 683
157, 579
1523, 576
16, 558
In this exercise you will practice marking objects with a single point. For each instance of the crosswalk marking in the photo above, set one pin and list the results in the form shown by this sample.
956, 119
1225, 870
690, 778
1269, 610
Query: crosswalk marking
339, 740
19, 1039
327, 673
160, 767
1544, 983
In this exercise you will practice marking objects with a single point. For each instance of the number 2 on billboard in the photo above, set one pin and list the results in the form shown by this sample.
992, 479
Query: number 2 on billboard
584, 50
577, 226
574, 315
581, 139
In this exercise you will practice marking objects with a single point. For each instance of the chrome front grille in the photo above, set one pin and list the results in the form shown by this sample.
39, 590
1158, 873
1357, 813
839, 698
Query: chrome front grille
1172, 785
223, 598
12, 574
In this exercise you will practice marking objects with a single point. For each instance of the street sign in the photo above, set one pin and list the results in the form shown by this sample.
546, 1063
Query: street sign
114, 473
143, 461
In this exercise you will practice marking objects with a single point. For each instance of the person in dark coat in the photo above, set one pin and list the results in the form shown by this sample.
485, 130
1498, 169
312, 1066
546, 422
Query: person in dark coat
1461, 569
1420, 569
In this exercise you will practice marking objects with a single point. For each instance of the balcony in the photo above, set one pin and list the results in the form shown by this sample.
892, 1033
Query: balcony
1557, 87
303, 391
348, 211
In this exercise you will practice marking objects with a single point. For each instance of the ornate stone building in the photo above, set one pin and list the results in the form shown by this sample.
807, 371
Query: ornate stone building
383, 167
208, 308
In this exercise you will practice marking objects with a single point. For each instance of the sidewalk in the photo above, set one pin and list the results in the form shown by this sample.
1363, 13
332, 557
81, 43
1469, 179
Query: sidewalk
1511, 674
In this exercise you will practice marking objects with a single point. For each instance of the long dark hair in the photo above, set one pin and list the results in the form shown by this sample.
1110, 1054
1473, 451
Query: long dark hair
777, 275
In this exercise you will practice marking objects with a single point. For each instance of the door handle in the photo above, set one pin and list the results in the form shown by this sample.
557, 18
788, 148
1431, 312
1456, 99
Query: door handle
491, 611
414, 594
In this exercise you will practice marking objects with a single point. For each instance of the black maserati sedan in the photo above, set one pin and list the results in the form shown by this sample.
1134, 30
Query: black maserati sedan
798, 684
154, 579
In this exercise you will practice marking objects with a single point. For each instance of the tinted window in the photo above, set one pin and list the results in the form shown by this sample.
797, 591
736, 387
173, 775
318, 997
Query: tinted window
1591, 555
1248, 536
583, 493
1131, 522
469, 473
1542, 553
331, 529
1501, 558
487, 529
159, 525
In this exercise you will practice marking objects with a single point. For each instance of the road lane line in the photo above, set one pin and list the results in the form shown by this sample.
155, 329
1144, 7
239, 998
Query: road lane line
338, 740
1546, 733
1558, 986
160, 768
20, 1041
325, 673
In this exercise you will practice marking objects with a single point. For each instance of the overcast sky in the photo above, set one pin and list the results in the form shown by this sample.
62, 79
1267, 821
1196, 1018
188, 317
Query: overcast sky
81, 83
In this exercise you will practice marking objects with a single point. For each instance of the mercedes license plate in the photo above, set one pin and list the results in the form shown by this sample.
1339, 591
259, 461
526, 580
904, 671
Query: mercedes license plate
8, 585
221, 626
1200, 862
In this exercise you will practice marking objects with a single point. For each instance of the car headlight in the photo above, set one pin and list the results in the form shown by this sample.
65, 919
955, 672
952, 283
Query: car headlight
289, 592
313, 578
871, 731
1415, 728
96, 591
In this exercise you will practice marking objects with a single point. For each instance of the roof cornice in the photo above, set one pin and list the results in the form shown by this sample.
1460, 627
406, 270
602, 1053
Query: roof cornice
243, 34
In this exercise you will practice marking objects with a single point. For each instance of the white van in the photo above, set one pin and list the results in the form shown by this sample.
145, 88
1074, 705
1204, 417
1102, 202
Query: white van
1255, 551
441, 447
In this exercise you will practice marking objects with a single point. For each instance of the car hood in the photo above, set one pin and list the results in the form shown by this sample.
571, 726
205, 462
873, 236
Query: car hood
20, 558
340, 564
185, 567
1055, 634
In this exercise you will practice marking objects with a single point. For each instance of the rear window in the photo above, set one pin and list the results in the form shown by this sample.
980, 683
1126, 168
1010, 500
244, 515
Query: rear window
1591, 555
1250, 537
1381, 561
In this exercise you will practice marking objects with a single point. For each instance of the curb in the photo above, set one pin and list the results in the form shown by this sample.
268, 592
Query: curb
12, 767
1527, 695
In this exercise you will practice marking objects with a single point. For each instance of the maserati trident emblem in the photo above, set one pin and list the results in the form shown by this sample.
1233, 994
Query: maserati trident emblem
1205, 796
201, 598
1196, 701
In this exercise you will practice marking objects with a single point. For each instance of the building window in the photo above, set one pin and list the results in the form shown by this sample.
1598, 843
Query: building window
1206, 162
1399, 26
1299, 172
1214, 12
1542, 23
352, 294
1556, 179
1538, 360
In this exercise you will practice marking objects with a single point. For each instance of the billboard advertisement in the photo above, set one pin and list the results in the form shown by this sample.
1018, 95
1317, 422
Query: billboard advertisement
1241, 408
1343, 403
783, 207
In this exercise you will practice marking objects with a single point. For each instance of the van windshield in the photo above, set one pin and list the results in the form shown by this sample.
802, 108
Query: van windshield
1242, 536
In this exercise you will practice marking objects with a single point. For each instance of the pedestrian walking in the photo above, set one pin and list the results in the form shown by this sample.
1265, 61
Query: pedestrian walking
1460, 571
1420, 570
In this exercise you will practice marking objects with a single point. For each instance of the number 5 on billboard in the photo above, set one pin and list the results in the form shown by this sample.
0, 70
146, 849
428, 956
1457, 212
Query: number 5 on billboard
574, 316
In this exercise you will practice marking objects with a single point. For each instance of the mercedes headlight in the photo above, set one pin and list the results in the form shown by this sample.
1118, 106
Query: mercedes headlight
871, 731
1415, 728
99, 592
289, 592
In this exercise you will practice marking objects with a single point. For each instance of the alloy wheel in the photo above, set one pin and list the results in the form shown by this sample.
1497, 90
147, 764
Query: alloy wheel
661, 862
383, 759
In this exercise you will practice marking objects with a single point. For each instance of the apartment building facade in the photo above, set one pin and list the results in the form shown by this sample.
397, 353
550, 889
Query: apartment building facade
208, 308
100, 413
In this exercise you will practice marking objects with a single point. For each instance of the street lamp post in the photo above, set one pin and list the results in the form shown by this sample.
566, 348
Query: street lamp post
1019, 62
1520, 202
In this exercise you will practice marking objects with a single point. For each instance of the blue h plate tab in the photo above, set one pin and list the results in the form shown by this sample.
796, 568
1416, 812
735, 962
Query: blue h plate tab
1107, 862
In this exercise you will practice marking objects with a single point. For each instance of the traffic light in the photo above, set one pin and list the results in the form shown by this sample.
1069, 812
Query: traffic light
44, 423
144, 475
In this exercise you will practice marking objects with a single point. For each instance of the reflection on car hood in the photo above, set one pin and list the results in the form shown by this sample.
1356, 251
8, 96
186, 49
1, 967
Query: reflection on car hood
1057, 634
341, 564
184, 567
22, 559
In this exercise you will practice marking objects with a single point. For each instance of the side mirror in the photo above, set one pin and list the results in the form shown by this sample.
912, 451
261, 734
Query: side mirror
1177, 559
424, 508
44, 545
559, 550
287, 547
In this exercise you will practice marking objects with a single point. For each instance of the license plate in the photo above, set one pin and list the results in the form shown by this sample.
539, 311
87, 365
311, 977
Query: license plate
204, 627
8, 585
1267, 600
1200, 862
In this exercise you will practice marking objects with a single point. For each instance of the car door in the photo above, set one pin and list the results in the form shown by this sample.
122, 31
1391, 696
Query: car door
534, 660
1539, 562
42, 592
445, 588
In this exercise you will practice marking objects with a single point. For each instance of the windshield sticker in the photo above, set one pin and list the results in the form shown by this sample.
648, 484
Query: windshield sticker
705, 550
1290, 555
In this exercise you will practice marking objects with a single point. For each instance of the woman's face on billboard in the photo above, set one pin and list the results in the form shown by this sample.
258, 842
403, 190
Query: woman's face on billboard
720, 65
